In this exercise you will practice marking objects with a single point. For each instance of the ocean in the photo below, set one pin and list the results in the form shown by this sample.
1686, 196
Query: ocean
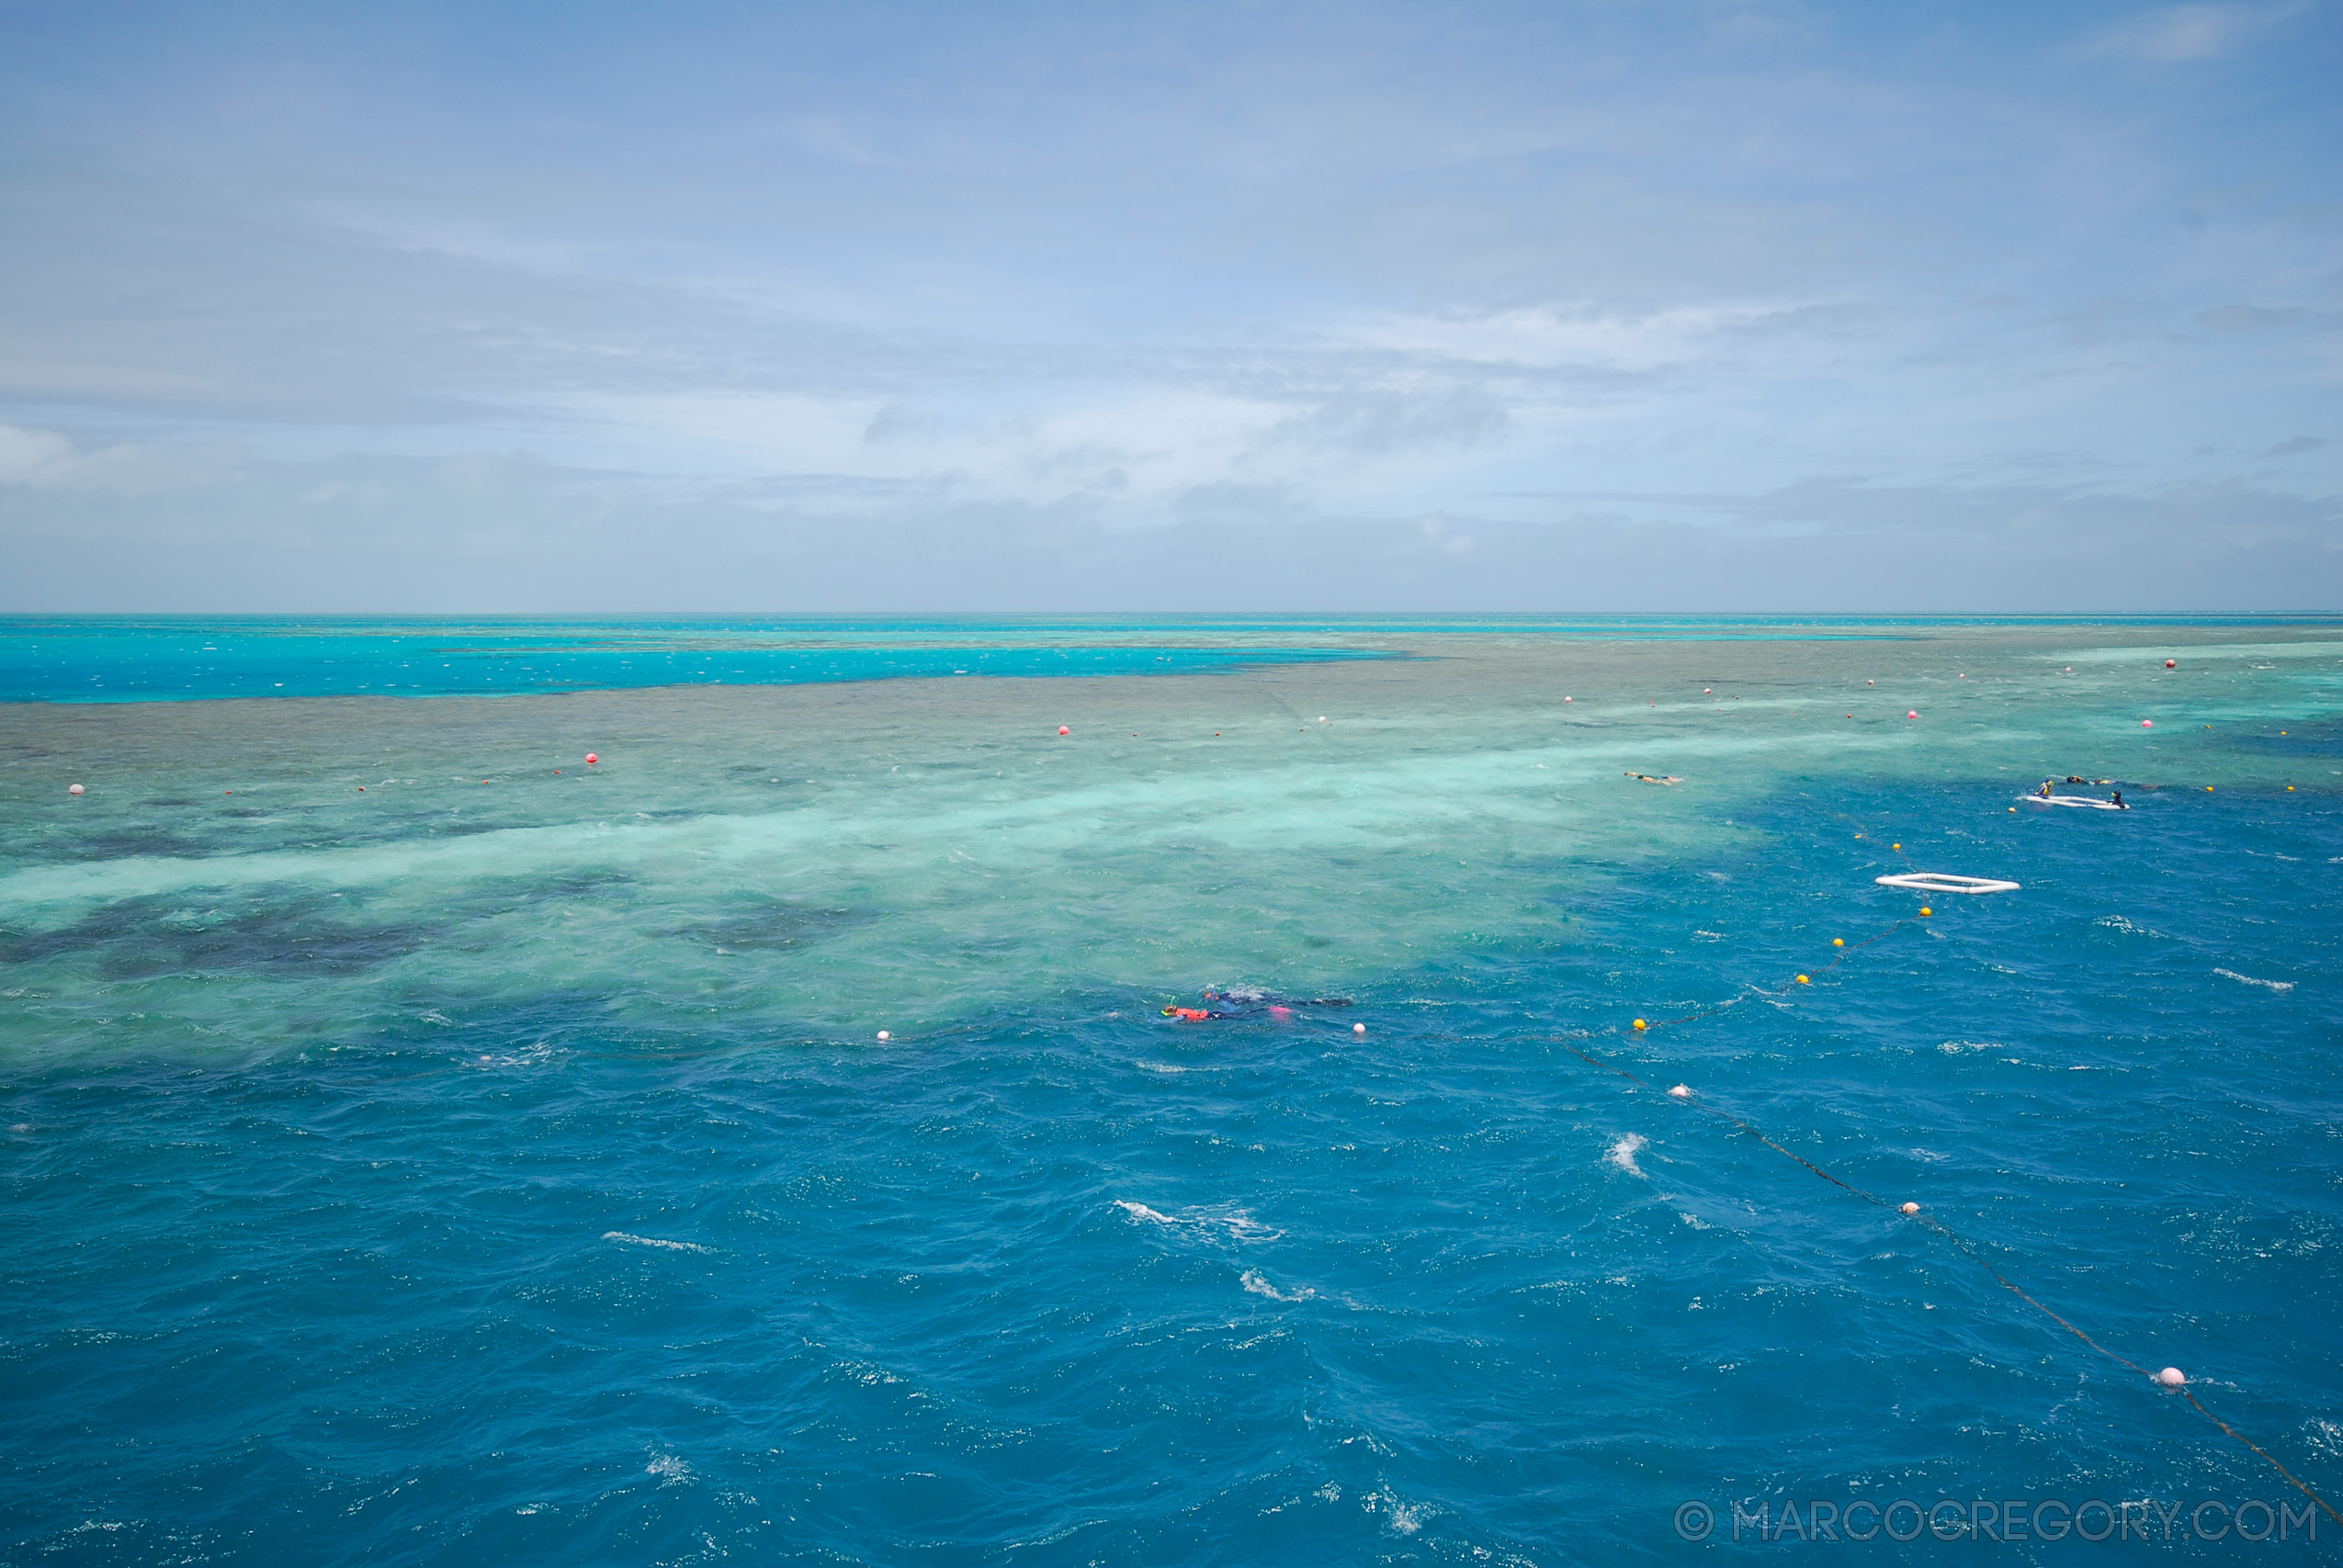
425, 1146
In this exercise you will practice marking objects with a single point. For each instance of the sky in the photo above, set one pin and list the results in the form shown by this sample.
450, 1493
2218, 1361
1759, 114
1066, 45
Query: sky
1613, 306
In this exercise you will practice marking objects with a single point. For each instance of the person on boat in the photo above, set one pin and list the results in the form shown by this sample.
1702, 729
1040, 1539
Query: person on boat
2119, 802
2046, 786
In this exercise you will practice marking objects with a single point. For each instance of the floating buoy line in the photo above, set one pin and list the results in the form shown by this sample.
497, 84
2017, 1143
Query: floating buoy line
2170, 1378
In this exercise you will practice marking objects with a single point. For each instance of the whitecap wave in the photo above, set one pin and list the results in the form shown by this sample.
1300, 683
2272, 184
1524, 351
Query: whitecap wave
1252, 1280
655, 1241
1237, 1225
2248, 979
2118, 923
1399, 1518
1623, 1153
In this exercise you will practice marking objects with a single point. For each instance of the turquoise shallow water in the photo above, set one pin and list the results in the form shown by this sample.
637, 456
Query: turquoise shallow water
499, 1163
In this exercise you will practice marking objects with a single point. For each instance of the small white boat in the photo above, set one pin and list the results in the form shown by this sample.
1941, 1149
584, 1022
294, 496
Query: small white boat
1945, 881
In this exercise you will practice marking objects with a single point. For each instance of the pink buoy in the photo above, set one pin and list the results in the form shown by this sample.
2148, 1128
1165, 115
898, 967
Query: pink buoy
73, 789
1871, 682
1358, 1029
1914, 714
1911, 1208
884, 1037
2171, 664
592, 759
1566, 699
2172, 1377
1063, 730
2147, 724
1682, 1091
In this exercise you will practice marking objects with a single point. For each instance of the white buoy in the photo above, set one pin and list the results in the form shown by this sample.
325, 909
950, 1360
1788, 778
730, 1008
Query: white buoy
1358, 1029
73, 789
2171, 1377
1911, 1208
883, 1037
1682, 1091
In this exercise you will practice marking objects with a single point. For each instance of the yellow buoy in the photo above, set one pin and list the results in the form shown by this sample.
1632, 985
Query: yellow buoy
1803, 981
1641, 1024
1894, 846
1926, 911
1841, 942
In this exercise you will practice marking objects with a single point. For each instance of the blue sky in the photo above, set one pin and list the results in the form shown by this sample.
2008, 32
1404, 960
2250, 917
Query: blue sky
1607, 306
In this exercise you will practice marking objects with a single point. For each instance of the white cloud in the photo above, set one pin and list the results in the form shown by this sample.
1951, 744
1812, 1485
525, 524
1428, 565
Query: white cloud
48, 460
1587, 336
34, 457
2173, 34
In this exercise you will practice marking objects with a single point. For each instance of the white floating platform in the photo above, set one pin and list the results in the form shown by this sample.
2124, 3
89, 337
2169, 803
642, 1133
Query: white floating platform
1943, 882
2082, 800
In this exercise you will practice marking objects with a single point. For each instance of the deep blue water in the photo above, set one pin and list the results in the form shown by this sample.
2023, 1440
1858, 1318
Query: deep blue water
490, 1173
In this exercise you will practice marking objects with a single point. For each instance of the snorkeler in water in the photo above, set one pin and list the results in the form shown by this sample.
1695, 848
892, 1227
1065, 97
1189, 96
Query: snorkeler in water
1244, 1001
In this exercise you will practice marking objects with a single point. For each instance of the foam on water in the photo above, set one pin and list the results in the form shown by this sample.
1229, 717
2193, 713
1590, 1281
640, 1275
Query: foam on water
465, 1171
655, 1241
2248, 979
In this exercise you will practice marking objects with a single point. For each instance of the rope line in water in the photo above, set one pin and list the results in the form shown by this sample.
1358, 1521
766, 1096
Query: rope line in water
1932, 1223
